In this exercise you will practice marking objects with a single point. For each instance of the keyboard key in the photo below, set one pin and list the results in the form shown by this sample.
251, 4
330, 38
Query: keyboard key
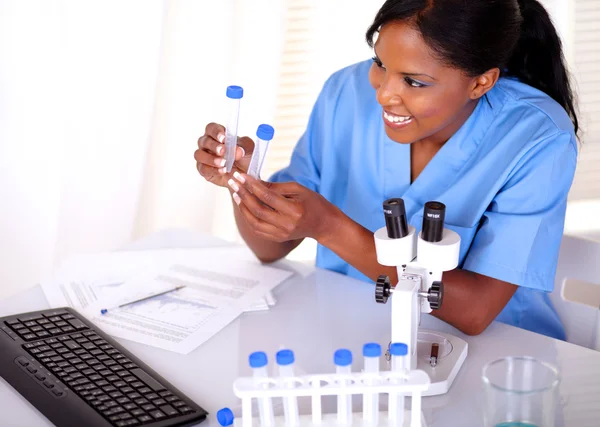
145, 418
148, 407
30, 324
77, 324
58, 392
29, 337
54, 313
157, 415
159, 402
32, 369
130, 406
185, 409
169, 410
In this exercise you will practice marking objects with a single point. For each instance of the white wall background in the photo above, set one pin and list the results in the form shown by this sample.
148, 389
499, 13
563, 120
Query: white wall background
101, 104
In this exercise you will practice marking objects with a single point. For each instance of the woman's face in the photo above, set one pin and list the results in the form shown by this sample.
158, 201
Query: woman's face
422, 98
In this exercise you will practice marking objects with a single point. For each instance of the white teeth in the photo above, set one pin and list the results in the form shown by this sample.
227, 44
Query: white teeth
395, 119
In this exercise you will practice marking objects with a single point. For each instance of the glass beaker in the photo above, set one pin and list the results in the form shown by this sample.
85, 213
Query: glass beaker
520, 392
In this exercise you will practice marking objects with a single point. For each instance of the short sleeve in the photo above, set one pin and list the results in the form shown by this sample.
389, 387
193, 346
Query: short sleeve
305, 162
519, 236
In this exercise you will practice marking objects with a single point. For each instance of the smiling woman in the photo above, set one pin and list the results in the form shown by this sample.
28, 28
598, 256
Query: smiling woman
469, 107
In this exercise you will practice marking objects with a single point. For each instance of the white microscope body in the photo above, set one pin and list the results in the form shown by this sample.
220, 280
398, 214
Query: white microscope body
420, 261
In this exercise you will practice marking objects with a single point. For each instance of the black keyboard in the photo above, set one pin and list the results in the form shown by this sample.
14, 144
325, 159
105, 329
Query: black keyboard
76, 375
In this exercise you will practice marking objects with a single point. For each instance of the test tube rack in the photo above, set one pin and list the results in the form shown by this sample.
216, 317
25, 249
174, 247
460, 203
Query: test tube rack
413, 383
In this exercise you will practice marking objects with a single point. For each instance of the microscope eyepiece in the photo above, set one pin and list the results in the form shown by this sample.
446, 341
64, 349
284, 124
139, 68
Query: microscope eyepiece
395, 218
433, 221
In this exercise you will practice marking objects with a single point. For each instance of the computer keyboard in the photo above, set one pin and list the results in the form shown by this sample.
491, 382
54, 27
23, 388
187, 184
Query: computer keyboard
76, 375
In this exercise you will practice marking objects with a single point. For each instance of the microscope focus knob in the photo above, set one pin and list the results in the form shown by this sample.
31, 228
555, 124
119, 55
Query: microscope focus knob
383, 289
436, 295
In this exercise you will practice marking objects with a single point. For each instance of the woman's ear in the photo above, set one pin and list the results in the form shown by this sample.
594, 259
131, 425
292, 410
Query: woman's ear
483, 83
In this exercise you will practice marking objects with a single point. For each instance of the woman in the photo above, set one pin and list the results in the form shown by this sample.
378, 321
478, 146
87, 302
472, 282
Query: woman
469, 106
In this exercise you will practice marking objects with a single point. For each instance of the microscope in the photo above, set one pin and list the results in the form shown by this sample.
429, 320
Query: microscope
420, 260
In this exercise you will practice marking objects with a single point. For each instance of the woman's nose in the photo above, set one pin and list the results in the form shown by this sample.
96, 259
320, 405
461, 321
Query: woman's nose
388, 93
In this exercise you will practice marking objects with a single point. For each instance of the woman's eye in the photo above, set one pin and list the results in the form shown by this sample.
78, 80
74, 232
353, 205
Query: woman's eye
413, 83
378, 62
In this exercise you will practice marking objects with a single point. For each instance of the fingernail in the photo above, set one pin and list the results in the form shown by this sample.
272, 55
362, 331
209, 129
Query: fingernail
220, 149
239, 177
220, 138
233, 185
236, 198
243, 151
222, 171
220, 162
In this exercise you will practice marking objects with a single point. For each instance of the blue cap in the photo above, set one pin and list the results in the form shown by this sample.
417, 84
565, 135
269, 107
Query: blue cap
285, 357
371, 349
342, 357
225, 417
265, 132
258, 359
398, 349
235, 92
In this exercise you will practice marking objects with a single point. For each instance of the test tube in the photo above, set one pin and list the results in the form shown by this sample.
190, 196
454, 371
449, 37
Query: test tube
225, 417
234, 94
285, 360
264, 134
343, 365
258, 363
398, 351
371, 355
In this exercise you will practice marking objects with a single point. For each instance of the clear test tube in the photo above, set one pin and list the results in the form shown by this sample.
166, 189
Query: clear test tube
234, 94
285, 361
264, 135
258, 362
398, 352
371, 355
343, 365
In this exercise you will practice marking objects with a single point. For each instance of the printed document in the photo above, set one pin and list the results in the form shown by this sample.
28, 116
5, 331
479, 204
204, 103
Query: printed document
220, 284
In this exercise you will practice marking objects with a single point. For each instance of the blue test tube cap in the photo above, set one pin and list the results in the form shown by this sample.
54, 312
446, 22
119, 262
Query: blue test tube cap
235, 92
225, 417
398, 349
258, 359
371, 349
265, 132
342, 357
285, 357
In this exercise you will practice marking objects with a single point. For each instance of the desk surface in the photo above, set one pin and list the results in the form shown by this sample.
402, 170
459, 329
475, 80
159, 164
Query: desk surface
317, 312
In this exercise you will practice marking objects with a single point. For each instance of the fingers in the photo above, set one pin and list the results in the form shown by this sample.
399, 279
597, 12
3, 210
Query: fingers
259, 211
208, 163
215, 131
247, 146
263, 192
259, 227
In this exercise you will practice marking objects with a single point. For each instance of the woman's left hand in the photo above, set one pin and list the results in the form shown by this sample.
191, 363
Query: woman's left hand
282, 211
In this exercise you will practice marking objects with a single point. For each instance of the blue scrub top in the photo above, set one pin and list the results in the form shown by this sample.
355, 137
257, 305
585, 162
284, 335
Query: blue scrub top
504, 178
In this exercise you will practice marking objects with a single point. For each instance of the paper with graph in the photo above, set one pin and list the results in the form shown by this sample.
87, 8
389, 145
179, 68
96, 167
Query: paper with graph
218, 288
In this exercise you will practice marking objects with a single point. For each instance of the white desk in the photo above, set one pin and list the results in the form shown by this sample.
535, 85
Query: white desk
316, 313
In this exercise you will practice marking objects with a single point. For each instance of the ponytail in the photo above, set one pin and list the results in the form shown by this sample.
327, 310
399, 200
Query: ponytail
538, 58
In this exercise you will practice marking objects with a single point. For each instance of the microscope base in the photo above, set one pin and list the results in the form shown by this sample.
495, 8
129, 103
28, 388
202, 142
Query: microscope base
451, 356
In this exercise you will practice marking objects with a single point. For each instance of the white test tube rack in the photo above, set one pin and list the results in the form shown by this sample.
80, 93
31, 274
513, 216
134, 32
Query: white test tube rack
413, 384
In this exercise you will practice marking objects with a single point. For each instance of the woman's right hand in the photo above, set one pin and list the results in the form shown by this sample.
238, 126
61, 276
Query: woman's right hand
210, 155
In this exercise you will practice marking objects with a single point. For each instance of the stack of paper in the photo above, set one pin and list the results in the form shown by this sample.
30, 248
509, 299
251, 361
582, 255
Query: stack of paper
219, 285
